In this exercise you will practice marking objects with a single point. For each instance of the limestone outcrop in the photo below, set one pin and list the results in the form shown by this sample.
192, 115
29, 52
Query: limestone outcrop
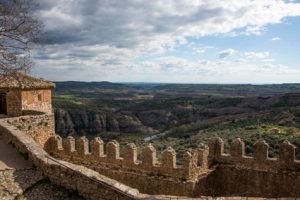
73, 122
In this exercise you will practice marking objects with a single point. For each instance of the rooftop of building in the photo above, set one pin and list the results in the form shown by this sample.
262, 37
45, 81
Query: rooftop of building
19, 80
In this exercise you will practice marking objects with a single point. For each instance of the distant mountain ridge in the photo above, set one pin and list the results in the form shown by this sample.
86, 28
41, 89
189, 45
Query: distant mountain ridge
172, 89
88, 85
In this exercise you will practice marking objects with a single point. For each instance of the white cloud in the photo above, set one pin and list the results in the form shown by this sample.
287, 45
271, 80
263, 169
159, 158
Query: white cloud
275, 38
256, 55
227, 52
148, 25
174, 69
199, 50
104, 36
202, 49
56, 19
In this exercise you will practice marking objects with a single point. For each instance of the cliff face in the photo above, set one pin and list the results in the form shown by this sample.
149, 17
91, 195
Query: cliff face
284, 110
81, 122
73, 122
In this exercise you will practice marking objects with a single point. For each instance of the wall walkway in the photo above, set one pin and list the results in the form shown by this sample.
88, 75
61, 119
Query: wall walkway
86, 182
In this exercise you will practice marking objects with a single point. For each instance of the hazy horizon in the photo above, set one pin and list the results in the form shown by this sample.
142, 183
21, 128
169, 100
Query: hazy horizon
180, 83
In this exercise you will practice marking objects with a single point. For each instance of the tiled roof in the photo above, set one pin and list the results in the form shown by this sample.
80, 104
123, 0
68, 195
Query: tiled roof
19, 80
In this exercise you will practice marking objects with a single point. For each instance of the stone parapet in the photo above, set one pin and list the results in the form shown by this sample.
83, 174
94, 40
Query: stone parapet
218, 174
91, 153
88, 183
259, 161
39, 126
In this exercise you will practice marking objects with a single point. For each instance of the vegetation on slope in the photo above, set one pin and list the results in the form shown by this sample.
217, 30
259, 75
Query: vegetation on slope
187, 115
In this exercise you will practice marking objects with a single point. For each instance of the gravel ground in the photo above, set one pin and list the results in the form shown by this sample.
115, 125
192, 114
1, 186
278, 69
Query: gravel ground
29, 184
44, 190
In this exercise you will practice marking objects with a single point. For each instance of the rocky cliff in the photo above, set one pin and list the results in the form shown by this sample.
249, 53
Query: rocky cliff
78, 122
151, 116
83, 122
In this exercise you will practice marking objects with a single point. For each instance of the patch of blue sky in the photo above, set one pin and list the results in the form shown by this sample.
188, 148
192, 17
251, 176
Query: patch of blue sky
280, 40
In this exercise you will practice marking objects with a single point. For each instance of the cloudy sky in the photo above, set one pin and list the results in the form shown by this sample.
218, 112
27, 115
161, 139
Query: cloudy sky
183, 41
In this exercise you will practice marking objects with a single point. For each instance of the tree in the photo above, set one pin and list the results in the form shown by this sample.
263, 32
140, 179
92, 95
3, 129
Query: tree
18, 30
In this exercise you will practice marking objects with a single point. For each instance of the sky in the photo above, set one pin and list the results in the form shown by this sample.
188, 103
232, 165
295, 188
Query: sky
169, 41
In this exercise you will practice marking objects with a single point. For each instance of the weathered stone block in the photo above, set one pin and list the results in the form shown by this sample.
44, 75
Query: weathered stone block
113, 151
287, 153
237, 149
56, 144
203, 151
82, 146
69, 145
149, 157
216, 147
261, 150
97, 148
130, 155
168, 160
189, 165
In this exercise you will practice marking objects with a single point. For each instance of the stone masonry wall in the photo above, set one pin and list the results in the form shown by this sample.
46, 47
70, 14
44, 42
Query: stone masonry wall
14, 103
93, 152
260, 160
205, 171
236, 174
88, 183
39, 127
19, 101
147, 174
37, 100
229, 180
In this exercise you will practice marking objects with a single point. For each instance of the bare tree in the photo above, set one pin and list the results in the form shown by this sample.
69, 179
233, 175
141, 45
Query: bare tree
18, 30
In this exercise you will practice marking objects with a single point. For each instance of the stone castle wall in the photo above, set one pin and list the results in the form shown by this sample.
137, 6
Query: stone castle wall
229, 180
206, 171
88, 183
147, 174
40, 127
259, 161
21, 101
14, 103
38, 100
92, 152
258, 176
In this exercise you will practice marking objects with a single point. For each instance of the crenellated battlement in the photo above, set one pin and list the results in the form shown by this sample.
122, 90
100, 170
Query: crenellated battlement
92, 153
194, 162
197, 174
259, 161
